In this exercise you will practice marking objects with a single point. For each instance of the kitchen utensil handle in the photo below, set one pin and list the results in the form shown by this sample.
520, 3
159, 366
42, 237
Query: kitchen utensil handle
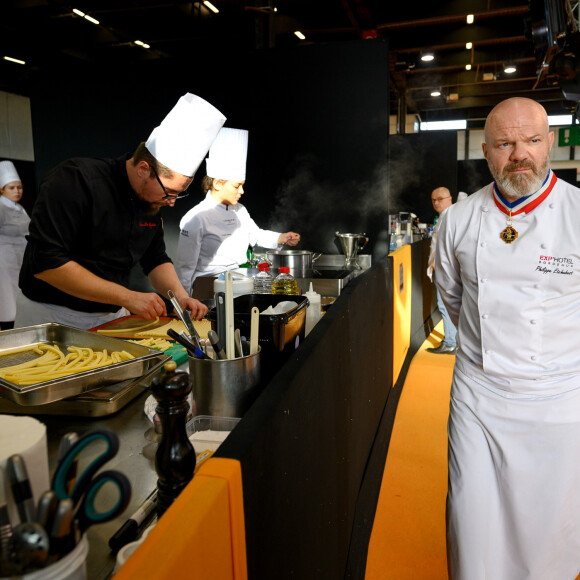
254, 330
230, 349
220, 308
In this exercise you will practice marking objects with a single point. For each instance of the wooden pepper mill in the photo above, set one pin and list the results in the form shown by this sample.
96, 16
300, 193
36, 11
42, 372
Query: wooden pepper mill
175, 457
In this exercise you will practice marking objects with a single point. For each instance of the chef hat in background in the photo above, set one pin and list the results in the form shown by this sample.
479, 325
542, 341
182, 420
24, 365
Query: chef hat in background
8, 173
227, 155
185, 135
461, 196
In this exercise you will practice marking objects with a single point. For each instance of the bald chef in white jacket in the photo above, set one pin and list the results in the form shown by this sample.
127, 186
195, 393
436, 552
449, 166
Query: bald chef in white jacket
508, 269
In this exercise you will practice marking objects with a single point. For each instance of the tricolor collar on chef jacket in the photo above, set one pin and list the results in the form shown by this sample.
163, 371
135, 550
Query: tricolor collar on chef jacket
528, 203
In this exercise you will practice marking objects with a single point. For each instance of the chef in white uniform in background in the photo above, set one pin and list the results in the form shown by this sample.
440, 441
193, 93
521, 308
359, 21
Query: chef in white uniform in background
215, 234
13, 227
508, 269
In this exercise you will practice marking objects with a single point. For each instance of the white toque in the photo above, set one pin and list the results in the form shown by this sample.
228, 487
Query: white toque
186, 134
227, 155
8, 173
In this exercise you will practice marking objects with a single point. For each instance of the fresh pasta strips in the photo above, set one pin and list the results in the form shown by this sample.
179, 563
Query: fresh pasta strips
52, 363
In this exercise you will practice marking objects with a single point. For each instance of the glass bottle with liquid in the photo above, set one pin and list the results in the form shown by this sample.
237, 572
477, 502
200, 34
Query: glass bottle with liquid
285, 283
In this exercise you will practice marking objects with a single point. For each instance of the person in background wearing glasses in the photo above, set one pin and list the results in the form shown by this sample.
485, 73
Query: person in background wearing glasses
13, 227
94, 219
215, 234
441, 200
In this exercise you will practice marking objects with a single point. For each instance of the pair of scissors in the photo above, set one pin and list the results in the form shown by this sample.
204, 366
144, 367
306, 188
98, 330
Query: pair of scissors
88, 484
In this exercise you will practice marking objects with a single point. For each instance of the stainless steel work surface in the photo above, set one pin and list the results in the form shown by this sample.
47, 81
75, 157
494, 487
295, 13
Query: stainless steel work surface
337, 261
134, 459
64, 336
326, 282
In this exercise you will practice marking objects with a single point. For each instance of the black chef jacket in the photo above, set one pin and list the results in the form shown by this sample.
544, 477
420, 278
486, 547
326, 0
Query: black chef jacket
87, 212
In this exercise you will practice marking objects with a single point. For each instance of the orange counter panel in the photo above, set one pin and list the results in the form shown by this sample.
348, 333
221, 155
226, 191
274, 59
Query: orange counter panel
202, 535
402, 279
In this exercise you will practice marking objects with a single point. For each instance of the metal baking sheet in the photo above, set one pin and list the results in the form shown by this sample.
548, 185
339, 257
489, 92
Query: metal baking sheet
100, 402
64, 336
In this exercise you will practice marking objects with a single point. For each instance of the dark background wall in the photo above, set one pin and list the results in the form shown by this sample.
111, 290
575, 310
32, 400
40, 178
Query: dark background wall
317, 116
421, 162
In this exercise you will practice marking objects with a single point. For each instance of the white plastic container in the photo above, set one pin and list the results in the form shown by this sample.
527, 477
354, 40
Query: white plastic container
240, 285
314, 312
72, 567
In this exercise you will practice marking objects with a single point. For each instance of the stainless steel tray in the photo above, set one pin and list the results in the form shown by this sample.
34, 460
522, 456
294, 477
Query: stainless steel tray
146, 359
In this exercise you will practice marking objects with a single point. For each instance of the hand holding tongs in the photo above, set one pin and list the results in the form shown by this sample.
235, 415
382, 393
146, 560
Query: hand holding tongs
185, 318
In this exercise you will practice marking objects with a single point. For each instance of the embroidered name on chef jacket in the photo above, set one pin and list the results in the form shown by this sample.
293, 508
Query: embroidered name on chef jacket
554, 265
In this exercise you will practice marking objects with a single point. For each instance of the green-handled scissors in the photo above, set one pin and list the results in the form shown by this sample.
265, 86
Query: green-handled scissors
88, 483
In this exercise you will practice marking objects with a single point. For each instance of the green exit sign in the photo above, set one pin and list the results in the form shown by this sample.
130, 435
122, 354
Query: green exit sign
569, 136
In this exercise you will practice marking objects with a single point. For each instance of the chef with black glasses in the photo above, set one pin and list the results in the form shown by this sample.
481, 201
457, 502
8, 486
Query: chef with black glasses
94, 219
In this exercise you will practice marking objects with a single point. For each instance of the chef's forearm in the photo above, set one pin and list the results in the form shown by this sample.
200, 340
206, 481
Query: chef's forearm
76, 280
164, 278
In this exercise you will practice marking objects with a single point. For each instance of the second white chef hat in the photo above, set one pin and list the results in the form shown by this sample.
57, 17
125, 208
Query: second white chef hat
185, 135
8, 173
227, 155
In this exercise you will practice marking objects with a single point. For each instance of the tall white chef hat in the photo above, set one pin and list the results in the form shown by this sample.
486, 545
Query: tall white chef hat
8, 173
185, 135
227, 155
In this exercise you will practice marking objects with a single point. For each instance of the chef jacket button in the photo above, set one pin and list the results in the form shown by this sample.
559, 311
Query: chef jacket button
483, 280
488, 351
485, 316
534, 357
537, 286
552, 206
484, 244
484, 209
533, 321
544, 246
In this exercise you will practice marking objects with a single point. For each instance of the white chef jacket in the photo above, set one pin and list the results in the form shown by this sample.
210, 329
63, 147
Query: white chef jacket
13, 227
514, 426
214, 237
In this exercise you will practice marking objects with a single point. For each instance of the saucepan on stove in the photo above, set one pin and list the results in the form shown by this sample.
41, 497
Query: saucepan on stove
300, 262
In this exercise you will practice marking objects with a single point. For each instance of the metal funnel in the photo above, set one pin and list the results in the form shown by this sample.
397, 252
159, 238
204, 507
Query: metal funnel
351, 244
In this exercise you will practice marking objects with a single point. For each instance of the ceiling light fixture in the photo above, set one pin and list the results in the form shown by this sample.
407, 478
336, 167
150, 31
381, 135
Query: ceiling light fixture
468, 45
85, 16
467, 67
469, 19
140, 43
427, 56
16, 60
211, 6
299, 35
436, 93
509, 68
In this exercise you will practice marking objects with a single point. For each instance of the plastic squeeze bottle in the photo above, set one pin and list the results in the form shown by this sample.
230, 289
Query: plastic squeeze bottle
263, 280
313, 314
285, 283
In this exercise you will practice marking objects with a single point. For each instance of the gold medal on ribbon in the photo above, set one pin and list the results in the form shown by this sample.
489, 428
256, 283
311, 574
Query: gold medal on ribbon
509, 234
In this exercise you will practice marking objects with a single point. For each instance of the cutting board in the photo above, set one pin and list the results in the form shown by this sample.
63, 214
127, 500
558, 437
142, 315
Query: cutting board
129, 322
177, 352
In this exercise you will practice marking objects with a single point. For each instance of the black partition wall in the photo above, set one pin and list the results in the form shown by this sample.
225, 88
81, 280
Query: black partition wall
313, 446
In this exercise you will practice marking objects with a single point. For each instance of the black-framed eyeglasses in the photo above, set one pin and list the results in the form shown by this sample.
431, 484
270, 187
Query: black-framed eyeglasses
440, 198
184, 193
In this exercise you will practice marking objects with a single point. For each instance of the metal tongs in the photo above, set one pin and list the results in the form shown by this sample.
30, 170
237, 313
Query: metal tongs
185, 318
